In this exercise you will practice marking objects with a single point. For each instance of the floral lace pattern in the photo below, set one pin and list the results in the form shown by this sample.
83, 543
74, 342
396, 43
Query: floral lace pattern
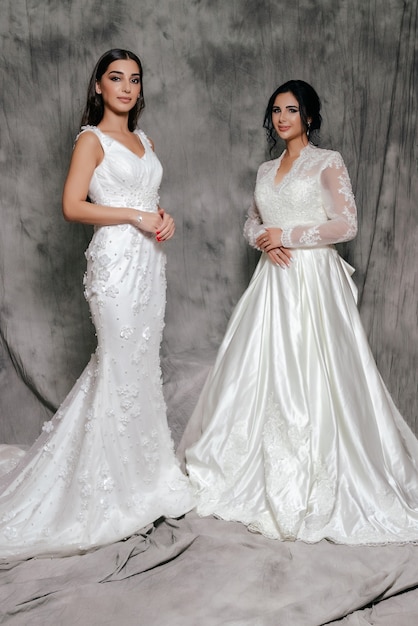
253, 226
313, 204
104, 466
286, 447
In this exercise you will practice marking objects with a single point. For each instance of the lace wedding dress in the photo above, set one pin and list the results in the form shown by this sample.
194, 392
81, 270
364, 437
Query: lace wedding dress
104, 466
297, 436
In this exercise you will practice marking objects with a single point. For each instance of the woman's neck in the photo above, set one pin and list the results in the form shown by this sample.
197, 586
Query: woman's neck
114, 123
295, 146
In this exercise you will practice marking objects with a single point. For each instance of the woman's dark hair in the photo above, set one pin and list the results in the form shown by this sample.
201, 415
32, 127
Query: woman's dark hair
93, 113
309, 108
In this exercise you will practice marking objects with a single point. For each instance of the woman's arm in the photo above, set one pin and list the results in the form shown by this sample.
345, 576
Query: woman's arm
253, 226
340, 207
258, 237
87, 155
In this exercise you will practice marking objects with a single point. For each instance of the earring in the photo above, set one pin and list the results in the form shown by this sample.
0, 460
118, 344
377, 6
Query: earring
309, 129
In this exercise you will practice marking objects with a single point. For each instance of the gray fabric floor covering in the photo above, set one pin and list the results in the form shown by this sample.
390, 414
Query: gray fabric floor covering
207, 572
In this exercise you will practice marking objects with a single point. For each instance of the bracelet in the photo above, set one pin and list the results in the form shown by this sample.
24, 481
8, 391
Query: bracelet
139, 219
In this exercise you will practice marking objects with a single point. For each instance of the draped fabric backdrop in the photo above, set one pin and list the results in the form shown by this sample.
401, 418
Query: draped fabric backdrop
209, 69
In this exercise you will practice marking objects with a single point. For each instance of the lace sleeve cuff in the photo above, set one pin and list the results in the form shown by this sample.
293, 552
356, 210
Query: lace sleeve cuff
287, 237
253, 227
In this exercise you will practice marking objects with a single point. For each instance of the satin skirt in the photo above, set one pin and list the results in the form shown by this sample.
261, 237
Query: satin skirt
295, 433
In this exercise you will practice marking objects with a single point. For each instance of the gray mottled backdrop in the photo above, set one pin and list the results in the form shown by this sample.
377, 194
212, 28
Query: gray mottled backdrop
210, 67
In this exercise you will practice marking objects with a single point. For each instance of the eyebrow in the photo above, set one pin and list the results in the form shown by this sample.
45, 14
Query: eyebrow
288, 106
122, 73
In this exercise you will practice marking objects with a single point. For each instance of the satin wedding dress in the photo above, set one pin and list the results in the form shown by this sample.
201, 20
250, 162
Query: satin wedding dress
295, 434
104, 466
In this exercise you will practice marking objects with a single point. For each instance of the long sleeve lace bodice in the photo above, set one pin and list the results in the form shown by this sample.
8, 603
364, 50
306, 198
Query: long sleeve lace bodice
295, 448
313, 204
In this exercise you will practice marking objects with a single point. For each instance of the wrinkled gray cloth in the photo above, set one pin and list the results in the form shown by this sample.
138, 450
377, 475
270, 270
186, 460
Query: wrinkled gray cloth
210, 572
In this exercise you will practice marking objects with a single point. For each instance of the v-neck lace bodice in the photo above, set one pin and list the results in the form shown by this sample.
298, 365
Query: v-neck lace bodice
313, 203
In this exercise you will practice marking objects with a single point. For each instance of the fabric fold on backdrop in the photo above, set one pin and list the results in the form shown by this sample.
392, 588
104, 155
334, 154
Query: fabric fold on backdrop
210, 572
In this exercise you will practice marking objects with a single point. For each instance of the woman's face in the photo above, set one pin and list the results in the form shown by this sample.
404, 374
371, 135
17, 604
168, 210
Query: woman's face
286, 117
120, 85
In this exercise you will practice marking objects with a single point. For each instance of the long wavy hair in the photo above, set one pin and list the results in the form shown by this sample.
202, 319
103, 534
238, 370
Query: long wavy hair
94, 110
309, 108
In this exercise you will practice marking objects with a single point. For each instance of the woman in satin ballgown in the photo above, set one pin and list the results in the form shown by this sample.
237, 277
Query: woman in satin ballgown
104, 466
295, 434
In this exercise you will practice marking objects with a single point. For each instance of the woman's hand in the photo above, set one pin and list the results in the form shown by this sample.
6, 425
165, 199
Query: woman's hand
272, 238
150, 223
280, 256
270, 242
167, 227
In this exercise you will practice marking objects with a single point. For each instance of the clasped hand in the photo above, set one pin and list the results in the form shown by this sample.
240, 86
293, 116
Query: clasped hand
270, 242
160, 224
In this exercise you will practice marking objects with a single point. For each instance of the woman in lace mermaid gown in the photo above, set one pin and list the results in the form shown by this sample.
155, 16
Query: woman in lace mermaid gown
295, 434
104, 466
